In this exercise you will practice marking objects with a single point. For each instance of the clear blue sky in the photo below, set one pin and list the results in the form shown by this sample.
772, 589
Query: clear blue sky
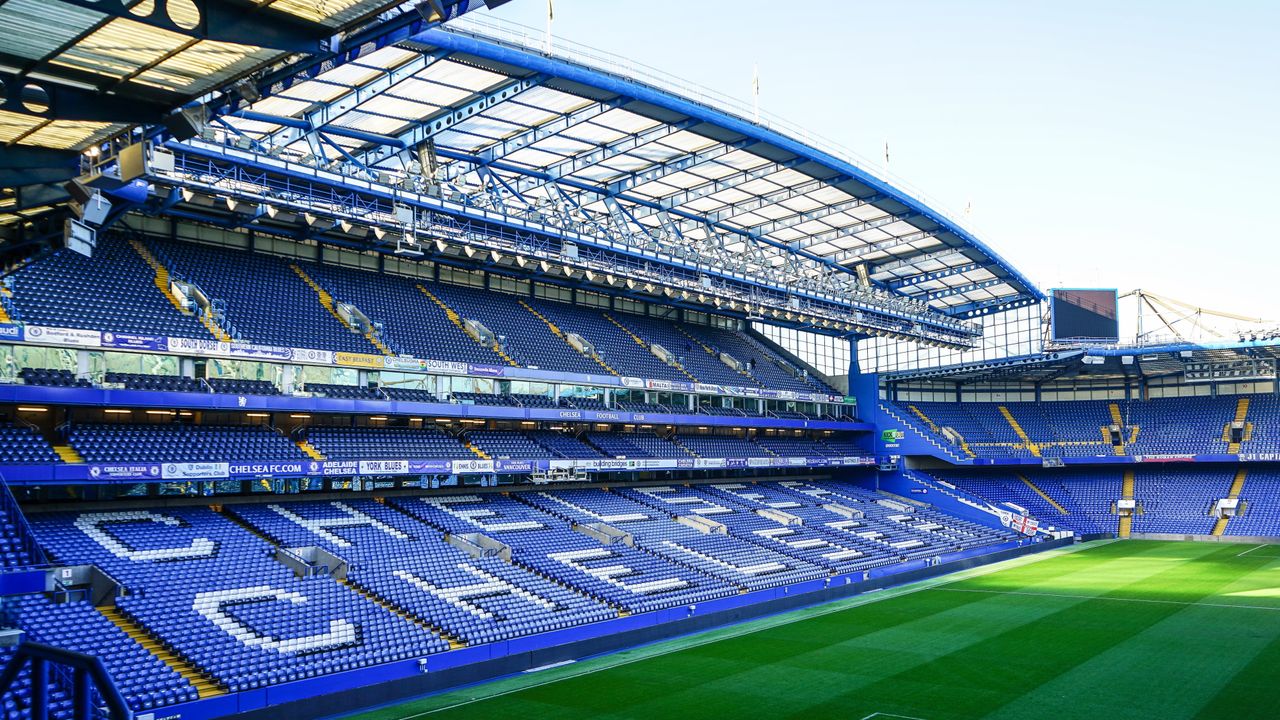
1101, 143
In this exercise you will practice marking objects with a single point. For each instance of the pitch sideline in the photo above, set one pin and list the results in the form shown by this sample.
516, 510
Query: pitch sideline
666, 647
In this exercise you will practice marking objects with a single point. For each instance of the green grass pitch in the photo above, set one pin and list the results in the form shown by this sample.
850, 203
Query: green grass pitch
1130, 629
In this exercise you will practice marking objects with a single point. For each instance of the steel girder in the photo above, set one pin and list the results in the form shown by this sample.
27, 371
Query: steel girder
572, 165
915, 280
506, 146
326, 113
385, 196
427, 128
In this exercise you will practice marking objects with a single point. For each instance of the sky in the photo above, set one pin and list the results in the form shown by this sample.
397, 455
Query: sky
1097, 144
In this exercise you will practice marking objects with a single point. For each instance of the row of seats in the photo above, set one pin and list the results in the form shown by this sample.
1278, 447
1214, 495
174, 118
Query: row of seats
1076, 428
1172, 500
116, 443
262, 299
177, 442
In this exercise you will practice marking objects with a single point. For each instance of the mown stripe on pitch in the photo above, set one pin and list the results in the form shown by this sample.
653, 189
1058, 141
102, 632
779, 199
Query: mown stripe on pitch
748, 675
972, 680
1251, 693
500, 690
1074, 638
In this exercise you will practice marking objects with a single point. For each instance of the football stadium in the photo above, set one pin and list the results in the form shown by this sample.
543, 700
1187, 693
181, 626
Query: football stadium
387, 360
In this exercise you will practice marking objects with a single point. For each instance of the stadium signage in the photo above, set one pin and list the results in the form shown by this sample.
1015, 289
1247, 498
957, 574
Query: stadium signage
73, 337
373, 362
1165, 458
244, 470
124, 472
63, 336
134, 342
265, 469
194, 471
384, 467
486, 370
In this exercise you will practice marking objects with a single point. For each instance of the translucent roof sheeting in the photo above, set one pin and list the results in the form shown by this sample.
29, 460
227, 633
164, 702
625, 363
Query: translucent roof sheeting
61, 58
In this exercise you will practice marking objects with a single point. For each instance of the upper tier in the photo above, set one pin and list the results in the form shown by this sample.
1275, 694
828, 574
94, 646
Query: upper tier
271, 300
1078, 429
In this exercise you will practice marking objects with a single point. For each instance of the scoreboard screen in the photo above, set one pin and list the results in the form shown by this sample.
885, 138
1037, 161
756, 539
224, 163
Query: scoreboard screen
1085, 314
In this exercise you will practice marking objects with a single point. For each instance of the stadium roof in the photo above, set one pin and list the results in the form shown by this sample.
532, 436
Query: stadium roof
74, 73
489, 115
78, 71
1113, 363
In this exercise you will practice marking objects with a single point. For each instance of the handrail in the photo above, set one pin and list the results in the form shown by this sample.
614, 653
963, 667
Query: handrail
84, 668
32, 547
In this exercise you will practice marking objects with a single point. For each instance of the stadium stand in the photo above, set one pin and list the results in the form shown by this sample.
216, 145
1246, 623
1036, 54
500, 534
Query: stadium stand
270, 300
360, 443
111, 292
1164, 426
393, 214
113, 443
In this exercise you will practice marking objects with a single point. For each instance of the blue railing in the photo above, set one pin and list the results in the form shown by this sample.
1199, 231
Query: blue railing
10, 506
94, 695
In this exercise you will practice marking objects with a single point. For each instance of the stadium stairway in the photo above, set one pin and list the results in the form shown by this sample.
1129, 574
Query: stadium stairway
456, 319
205, 687
1237, 486
1036, 489
309, 449
964, 444
326, 301
68, 454
1017, 429
645, 345
165, 287
1118, 420
711, 351
65, 452
475, 450
1126, 492
555, 330
1242, 414
932, 438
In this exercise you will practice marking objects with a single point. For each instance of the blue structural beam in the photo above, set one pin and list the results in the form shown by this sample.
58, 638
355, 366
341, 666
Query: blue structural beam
349, 47
571, 165
352, 97
307, 126
961, 289
23, 165
936, 275
421, 131
815, 214
508, 145
987, 307
387, 195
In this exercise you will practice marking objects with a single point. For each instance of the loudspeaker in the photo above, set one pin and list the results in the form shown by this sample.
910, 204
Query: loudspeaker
95, 210
187, 122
